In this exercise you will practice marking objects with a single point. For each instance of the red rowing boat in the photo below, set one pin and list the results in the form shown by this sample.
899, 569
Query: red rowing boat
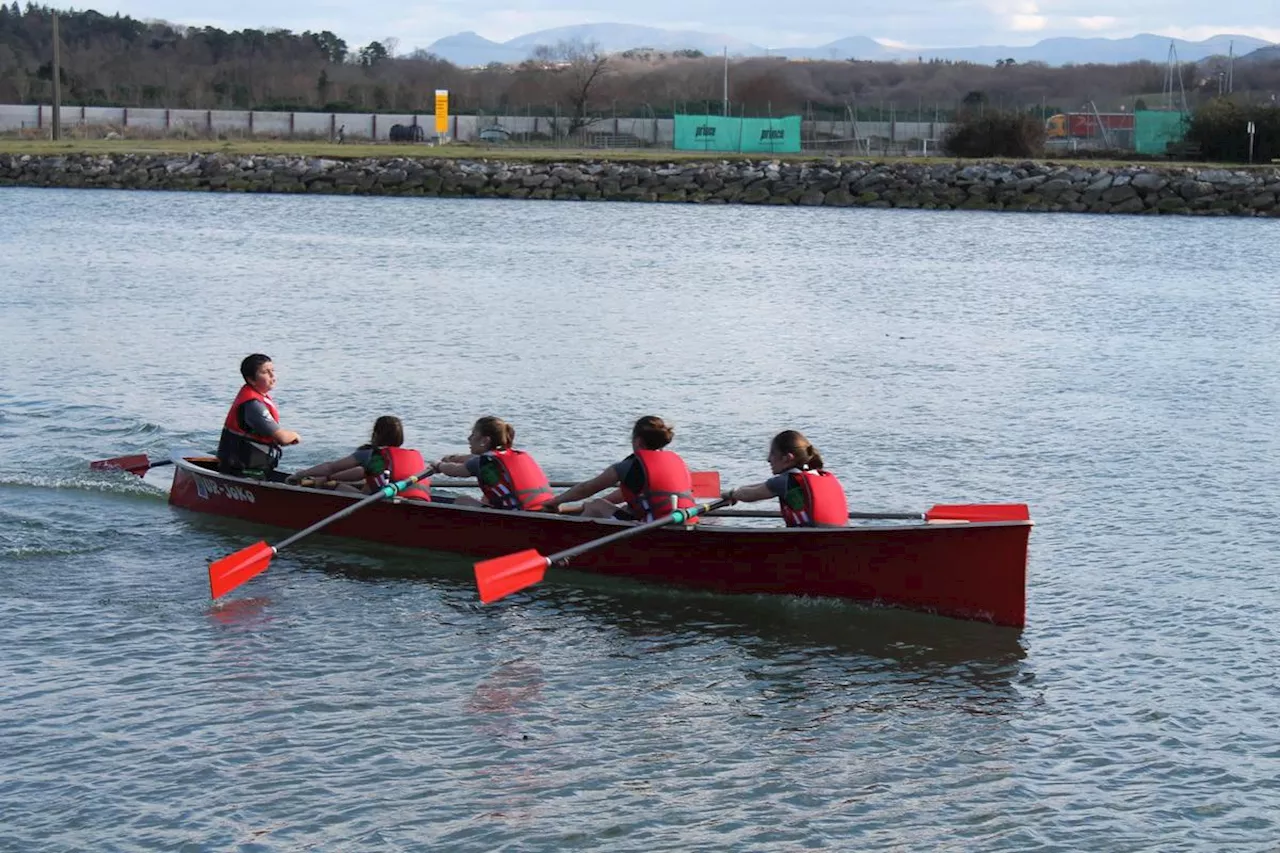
963, 569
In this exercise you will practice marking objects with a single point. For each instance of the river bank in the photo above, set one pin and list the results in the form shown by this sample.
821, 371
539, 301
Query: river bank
1026, 186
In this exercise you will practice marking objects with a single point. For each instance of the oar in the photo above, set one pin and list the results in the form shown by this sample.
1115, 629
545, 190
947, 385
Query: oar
231, 571
502, 576
940, 512
706, 484
138, 463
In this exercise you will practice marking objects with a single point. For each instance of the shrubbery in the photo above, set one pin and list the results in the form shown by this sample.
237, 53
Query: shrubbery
994, 133
1221, 130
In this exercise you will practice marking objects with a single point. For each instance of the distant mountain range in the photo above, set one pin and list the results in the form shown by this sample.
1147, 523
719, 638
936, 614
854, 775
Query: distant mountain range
1264, 54
471, 49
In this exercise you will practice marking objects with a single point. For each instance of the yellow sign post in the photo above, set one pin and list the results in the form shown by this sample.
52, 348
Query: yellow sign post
442, 112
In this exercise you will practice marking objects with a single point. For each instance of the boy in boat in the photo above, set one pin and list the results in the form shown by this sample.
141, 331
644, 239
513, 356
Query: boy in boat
371, 466
509, 478
251, 433
807, 495
652, 481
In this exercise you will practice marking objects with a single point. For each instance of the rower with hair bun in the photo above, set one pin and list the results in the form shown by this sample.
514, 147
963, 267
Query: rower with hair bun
808, 495
509, 478
652, 482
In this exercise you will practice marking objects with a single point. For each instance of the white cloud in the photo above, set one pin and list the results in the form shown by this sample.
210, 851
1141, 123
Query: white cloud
1028, 23
1019, 16
1096, 23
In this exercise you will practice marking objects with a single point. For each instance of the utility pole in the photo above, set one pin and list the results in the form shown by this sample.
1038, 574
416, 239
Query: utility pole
725, 106
1231, 67
57, 82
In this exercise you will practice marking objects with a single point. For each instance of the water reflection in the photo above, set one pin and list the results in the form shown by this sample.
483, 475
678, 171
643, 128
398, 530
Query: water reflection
245, 614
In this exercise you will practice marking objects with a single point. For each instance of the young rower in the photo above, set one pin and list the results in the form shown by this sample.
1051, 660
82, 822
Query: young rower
652, 481
251, 432
808, 495
509, 478
371, 466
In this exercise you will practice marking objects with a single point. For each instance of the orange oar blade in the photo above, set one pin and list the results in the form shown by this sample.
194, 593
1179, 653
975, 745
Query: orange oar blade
511, 573
706, 484
979, 512
135, 464
229, 572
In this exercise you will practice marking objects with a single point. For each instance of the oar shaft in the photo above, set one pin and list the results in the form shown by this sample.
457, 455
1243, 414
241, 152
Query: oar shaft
473, 484
680, 516
773, 513
388, 491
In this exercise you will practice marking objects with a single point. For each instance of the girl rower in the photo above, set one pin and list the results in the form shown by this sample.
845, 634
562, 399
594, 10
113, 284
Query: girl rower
807, 495
371, 466
509, 478
652, 481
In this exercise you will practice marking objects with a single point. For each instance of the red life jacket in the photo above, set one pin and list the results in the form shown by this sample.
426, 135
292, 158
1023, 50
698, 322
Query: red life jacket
824, 500
521, 483
239, 449
665, 477
400, 463
235, 423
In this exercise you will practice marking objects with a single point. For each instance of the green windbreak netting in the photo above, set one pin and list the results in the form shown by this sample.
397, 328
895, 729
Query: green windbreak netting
1155, 129
725, 133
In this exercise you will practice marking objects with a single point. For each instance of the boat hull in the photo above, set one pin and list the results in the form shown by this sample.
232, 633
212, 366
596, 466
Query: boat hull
962, 570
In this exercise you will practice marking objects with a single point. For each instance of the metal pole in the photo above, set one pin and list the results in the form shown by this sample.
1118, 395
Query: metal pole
57, 82
725, 110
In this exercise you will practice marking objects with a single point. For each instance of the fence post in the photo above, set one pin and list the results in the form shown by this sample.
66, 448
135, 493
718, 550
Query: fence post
124, 119
333, 126
39, 116
374, 116
208, 121
291, 124
251, 122
166, 119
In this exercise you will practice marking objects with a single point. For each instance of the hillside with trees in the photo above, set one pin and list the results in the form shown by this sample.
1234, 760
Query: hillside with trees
122, 61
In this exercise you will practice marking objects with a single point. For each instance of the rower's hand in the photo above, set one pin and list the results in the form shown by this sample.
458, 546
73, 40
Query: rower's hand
554, 509
728, 496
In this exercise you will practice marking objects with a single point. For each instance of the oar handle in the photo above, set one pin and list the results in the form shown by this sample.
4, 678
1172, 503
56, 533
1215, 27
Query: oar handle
680, 516
388, 491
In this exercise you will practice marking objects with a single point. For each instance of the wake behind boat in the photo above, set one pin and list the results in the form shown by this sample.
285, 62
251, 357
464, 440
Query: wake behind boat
962, 569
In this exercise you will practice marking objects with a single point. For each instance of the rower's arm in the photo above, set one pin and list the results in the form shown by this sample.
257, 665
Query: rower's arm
259, 421
606, 478
286, 436
749, 494
452, 469
326, 469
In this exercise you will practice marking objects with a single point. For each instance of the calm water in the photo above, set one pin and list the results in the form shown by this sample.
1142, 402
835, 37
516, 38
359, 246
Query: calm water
1119, 374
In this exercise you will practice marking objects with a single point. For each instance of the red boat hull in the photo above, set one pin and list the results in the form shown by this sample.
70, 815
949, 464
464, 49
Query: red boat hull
963, 570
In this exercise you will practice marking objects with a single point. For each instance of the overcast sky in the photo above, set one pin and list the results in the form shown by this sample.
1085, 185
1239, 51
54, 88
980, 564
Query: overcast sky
908, 23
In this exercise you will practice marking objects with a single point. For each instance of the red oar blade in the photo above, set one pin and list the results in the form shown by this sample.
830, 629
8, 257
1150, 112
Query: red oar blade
138, 464
502, 576
706, 484
229, 572
979, 512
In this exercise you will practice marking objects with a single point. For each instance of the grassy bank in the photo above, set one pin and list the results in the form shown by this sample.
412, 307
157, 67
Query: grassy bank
353, 151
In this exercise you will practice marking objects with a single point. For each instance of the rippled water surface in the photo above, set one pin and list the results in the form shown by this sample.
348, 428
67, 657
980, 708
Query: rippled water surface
1120, 374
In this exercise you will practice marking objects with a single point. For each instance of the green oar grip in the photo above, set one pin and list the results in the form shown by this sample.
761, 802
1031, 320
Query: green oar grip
390, 490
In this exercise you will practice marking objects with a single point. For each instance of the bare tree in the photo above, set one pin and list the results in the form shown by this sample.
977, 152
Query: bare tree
577, 68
